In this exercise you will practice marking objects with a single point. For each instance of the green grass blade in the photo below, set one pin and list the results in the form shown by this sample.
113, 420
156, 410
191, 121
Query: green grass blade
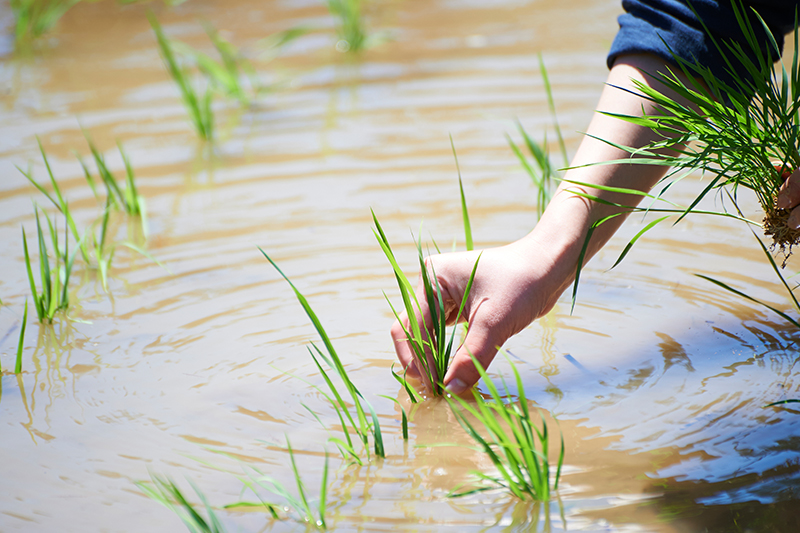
377, 436
346, 450
48, 302
782, 402
464, 212
36, 184
341, 404
328, 345
413, 395
778, 272
743, 295
323, 494
87, 175
582, 257
551, 104
18, 366
56, 189
37, 302
404, 419
635, 238
300, 489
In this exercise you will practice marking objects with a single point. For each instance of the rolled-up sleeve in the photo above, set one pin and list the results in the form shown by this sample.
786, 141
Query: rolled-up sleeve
667, 27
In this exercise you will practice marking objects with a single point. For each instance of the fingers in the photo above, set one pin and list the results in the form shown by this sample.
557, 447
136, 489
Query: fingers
794, 219
789, 198
402, 347
789, 194
405, 351
462, 374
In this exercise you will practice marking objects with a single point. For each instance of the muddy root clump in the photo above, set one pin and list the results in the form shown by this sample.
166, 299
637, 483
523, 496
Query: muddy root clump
783, 237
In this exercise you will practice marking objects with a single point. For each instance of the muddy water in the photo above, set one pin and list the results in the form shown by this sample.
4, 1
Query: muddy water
658, 379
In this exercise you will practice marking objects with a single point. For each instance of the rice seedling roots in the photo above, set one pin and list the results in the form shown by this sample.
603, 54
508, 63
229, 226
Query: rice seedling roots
783, 237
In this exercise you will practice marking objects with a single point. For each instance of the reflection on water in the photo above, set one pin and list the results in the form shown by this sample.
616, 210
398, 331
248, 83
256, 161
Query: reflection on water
658, 380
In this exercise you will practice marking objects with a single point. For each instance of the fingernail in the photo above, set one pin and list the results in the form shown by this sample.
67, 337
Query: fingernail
456, 386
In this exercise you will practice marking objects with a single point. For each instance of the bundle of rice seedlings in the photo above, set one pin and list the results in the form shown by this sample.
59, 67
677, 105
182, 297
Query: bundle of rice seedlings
743, 133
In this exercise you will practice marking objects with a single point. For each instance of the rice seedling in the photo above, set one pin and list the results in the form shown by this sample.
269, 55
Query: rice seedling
166, 492
352, 32
307, 513
464, 213
541, 170
433, 353
58, 201
517, 447
358, 424
269, 46
32, 18
404, 419
743, 133
18, 365
104, 252
127, 197
226, 75
432, 349
199, 108
413, 395
54, 296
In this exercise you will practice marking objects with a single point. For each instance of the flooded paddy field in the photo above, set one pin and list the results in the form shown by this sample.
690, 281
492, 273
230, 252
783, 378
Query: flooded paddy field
199, 369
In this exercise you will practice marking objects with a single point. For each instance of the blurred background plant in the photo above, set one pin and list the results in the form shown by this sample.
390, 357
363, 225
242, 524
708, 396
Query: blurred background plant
35, 17
541, 169
352, 33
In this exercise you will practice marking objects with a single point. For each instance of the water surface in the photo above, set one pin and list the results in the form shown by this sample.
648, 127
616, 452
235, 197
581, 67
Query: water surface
658, 379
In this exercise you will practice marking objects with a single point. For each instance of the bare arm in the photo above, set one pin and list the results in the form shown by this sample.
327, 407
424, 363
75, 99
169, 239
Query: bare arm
520, 282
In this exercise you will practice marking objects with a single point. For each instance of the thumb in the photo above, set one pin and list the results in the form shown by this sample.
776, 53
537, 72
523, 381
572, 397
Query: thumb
462, 374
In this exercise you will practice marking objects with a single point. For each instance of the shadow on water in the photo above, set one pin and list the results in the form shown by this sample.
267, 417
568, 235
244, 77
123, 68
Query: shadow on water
694, 406
692, 506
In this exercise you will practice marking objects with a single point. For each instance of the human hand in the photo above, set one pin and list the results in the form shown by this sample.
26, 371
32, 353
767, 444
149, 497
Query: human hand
789, 198
510, 290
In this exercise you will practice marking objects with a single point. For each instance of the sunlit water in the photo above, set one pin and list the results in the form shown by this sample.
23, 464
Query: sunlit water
658, 378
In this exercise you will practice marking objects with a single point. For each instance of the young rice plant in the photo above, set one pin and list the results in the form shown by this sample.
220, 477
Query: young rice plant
18, 365
58, 201
35, 17
430, 344
127, 197
313, 515
542, 171
226, 76
199, 107
166, 492
352, 33
359, 425
511, 439
54, 278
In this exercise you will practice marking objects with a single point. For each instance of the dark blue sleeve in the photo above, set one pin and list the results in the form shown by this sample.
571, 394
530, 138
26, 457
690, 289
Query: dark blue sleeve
656, 26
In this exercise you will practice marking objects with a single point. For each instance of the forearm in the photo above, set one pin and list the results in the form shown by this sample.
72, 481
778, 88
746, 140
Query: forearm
559, 236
